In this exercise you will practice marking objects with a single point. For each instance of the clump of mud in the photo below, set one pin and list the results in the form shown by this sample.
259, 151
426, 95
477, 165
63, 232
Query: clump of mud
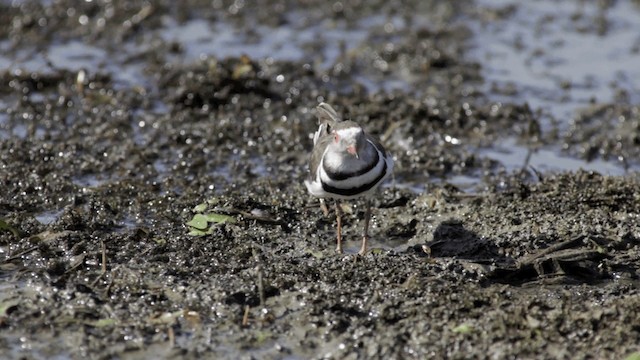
620, 142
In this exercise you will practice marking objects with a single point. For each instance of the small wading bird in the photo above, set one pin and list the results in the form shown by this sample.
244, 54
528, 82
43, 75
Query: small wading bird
346, 163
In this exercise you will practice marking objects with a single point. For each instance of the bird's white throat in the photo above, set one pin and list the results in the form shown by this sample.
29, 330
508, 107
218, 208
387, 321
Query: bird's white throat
341, 161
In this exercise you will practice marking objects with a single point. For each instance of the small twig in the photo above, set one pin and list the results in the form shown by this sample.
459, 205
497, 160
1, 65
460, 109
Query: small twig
264, 219
20, 254
77, 264
172, 337
527, 159
260, 275
573, 242
261, 285
245, 317
104, 257
112, 279
390, 130
538, 173
104, 263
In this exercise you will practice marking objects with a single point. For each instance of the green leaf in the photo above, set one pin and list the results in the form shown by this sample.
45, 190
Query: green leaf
199, 221
200, 224
196, 232
463, 329
220, 218
200, 208
5, 226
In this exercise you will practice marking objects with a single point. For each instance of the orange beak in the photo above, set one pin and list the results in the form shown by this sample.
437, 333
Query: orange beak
351, 149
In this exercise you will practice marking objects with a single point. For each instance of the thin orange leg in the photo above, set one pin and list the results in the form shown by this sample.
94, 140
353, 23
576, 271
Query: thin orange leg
365, 237
339, 228
324, 208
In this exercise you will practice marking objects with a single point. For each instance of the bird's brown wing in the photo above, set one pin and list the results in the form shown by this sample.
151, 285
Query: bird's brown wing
327, 117
326, 113
316, 154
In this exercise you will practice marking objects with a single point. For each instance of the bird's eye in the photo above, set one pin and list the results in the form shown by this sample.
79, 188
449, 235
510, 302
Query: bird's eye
336, 137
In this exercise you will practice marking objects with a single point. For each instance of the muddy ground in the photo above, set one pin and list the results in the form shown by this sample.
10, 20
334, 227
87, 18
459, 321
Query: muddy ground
101, 180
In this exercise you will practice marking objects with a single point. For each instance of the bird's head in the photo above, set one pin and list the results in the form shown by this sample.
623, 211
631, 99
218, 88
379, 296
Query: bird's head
348, 138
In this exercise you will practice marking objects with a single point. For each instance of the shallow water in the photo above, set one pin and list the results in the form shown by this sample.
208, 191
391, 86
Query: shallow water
559, 57
514, 157
49, 217
556, 55
547, 54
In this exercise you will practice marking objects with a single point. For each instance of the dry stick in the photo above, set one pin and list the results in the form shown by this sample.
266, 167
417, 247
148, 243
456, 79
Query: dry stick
77, 264
245, 317
390, 130
172, 337
260, 275
104, 263
261, 285
19, 255
527, 159
576, 240
104, 257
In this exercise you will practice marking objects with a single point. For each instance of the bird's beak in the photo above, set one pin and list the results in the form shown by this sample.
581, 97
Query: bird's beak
351, 149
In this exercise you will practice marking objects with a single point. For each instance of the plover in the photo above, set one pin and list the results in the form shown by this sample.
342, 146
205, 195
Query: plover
346, 163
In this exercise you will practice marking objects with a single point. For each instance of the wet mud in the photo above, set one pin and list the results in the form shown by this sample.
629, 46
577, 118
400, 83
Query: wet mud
153, 205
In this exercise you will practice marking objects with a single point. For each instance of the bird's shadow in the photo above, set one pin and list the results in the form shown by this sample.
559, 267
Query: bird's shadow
451, 239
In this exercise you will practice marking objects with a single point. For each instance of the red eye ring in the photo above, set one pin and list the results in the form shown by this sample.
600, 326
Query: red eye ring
336, 137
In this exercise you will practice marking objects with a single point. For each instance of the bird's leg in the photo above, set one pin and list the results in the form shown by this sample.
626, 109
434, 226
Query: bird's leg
339, 227
323, 206
367, 218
